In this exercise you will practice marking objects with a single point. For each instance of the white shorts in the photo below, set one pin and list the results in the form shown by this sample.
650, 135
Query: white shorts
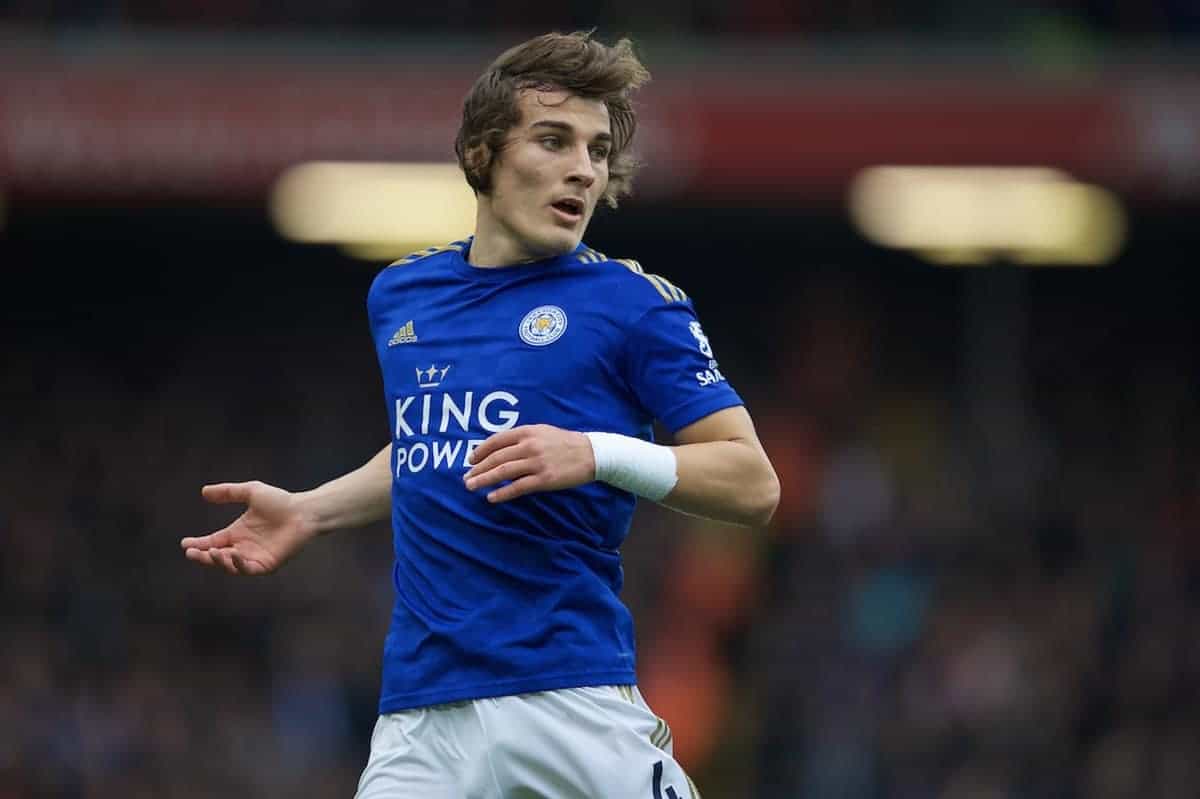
573, 743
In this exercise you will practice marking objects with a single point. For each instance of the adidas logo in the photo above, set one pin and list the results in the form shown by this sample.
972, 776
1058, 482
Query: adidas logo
404, 335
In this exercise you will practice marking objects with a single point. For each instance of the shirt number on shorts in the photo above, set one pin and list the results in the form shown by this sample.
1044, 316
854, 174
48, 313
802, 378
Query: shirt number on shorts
657, 784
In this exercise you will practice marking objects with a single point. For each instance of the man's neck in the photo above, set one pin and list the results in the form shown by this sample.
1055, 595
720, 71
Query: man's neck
494, 251
494, 245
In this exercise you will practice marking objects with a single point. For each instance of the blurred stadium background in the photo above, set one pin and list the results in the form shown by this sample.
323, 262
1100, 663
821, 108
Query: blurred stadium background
945, 250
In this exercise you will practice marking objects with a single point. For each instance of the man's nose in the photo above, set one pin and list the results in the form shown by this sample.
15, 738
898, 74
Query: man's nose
582, 169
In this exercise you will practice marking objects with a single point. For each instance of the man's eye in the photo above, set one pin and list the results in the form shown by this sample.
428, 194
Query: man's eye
551, 142
600, 153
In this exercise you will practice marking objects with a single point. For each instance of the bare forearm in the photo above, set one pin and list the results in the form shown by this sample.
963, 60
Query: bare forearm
352, 500
729, 481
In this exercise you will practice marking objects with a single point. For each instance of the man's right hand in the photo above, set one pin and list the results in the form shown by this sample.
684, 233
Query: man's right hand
269, 532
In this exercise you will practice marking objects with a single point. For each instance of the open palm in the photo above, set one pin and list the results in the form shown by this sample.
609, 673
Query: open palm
259, 541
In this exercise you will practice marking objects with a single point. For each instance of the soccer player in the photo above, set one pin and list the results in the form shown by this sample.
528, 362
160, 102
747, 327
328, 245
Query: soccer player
523, 371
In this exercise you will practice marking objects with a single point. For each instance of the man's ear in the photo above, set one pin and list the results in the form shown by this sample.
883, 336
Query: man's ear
478, 162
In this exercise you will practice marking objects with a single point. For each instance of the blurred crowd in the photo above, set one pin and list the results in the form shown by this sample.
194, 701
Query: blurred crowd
974, 594
1122, 18
128, 672
971, 589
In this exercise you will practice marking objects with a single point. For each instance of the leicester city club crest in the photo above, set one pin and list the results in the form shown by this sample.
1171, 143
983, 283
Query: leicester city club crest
543, 325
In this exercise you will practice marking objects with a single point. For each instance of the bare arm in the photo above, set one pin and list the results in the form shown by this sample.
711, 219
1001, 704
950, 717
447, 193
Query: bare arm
724, 473
352, 500
277, 523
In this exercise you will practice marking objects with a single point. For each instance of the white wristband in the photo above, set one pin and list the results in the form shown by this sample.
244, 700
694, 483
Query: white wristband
634, 465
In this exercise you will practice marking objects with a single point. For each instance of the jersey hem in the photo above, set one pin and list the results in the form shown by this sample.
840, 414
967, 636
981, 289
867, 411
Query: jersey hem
394, 703
696, 410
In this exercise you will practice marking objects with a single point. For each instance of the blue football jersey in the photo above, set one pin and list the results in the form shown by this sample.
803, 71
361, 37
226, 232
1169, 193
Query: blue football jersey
507, 598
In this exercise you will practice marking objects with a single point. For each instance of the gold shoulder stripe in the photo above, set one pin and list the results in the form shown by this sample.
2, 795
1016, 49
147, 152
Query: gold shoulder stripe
669, 291
675, 291
692, 785
658, 284
413, 257
666, 288
590, 256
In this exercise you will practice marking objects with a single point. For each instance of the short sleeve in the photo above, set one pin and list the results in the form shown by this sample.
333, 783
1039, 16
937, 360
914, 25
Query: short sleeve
670, 366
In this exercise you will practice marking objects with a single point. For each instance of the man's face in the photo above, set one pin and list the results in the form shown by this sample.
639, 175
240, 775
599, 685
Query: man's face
551, 173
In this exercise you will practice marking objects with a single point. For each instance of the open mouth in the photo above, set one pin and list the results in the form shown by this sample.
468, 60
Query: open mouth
570, 208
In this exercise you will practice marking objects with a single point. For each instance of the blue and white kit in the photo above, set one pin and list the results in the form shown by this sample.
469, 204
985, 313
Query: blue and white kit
497, 600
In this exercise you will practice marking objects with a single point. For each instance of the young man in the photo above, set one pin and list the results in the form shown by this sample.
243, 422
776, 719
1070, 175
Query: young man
523, 371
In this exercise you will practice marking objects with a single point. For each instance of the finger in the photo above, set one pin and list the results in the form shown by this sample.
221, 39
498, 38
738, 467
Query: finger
215, 554
221, 538
224, 558
509, 453
222, 493
504, 438
517, 488
511, 470
200, 556
247, 567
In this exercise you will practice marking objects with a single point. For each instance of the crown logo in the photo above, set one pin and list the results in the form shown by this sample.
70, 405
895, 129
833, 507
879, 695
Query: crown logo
432, 377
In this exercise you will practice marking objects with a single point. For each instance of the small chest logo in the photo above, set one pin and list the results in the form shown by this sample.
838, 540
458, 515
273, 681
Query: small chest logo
543, 325
701, 339
431, 377
405, 335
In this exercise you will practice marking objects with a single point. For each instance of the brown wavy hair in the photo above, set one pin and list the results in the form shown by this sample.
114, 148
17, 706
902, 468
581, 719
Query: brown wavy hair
574, 62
